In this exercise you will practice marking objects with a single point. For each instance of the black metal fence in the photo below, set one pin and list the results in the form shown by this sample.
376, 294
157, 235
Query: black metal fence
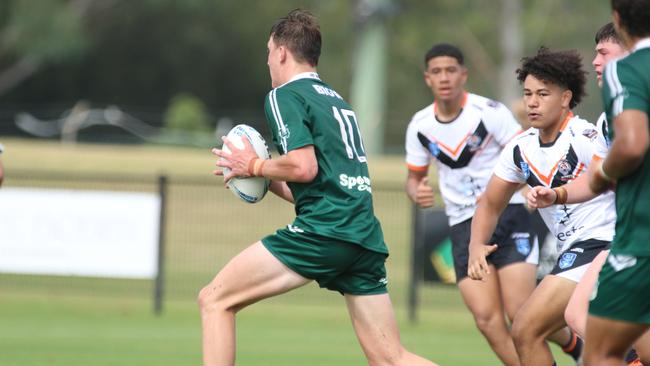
205, 226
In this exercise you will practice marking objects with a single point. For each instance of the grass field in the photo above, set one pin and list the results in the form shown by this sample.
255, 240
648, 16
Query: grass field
80, 321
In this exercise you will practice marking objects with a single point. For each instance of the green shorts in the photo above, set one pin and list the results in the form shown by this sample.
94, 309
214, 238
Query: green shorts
623, 288
336, 265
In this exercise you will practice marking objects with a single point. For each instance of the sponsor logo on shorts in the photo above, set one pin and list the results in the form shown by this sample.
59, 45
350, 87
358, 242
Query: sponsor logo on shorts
295, 229
522, 242
383, 281
621, 261
567, 259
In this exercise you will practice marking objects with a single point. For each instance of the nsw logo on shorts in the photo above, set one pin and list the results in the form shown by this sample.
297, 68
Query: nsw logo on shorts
567, 259
522, 243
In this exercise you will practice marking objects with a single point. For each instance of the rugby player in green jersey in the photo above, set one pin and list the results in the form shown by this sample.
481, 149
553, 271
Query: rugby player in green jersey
335, 238
620, 312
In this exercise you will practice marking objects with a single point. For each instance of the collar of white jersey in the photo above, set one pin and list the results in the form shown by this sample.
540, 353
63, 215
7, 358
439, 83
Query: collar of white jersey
302, 75
642, 43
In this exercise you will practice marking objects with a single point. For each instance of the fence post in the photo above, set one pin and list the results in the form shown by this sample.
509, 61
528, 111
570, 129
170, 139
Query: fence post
416, 263
159, 281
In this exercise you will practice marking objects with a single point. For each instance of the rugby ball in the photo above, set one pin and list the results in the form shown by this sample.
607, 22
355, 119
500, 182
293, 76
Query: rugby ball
249, 189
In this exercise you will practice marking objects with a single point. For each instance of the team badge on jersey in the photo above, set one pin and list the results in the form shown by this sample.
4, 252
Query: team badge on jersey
525, 169
474, 142
567, 259
564, 167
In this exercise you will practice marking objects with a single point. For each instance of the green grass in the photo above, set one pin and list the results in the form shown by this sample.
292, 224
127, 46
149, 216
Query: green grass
84, 321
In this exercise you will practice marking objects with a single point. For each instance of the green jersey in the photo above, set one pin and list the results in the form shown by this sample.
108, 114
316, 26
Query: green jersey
338, 202
627, 86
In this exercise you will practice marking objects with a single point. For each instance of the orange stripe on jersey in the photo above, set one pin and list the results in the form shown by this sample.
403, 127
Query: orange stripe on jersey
580, 167
416, 168
544, 178
449, 150
566, 121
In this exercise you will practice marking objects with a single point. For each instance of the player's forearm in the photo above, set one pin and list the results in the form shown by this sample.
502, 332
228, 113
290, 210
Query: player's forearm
281, 190
484, 222
293, 167
622, 160
578, 190
411, 189
630, 145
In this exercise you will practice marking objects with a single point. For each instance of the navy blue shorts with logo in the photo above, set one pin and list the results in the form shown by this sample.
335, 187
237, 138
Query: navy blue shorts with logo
573, 262
514, 234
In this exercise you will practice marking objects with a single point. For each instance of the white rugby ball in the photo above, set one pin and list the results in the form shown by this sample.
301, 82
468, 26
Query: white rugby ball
250, 189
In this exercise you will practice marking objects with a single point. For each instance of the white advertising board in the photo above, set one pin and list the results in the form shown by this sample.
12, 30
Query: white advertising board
76, 232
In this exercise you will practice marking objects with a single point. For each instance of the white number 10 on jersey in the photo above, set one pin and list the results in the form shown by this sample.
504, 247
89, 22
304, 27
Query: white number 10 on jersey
344, 116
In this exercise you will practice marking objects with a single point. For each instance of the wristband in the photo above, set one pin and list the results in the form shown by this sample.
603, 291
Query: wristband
251, 166
560, 196
257, 168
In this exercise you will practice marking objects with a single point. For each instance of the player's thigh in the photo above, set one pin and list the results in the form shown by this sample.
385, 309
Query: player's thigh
483, 298
608, 337
374, 322
517, 282
576, 310
543, 312
252, 275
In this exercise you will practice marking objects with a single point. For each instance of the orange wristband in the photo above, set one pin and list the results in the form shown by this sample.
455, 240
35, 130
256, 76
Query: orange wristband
251, 166
257, 168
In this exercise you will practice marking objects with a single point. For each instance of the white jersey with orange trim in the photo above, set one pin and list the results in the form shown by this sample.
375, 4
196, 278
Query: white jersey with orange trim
465, 150
527, 160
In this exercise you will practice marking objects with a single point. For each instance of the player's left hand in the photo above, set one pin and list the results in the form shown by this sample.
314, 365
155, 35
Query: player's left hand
477, 265
237, 161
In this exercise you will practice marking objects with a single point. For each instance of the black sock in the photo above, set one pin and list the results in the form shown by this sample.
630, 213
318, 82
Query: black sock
631, 356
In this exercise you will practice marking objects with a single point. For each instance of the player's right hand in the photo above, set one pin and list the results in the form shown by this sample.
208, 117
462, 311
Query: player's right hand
540, 197
477, 265
424, 194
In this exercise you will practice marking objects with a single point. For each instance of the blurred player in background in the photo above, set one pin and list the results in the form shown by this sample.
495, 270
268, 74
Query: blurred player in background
553, 152
464, 133
620, 313
335, 239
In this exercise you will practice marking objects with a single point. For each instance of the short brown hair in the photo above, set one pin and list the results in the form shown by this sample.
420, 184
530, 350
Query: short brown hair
300, 33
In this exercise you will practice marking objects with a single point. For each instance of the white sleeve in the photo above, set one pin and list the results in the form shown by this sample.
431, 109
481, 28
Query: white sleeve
500, 122
417, 156
591, 143
506, 168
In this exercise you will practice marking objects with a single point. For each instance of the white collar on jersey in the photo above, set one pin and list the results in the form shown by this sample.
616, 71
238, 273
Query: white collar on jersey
642, 43
302, 75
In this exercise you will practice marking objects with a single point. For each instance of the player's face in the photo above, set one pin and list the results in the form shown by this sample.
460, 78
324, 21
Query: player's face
606, 51
545, 102
446, 78
273, 60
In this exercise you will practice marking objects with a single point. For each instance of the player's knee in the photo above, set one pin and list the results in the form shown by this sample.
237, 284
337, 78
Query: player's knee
486, 322
209, 299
